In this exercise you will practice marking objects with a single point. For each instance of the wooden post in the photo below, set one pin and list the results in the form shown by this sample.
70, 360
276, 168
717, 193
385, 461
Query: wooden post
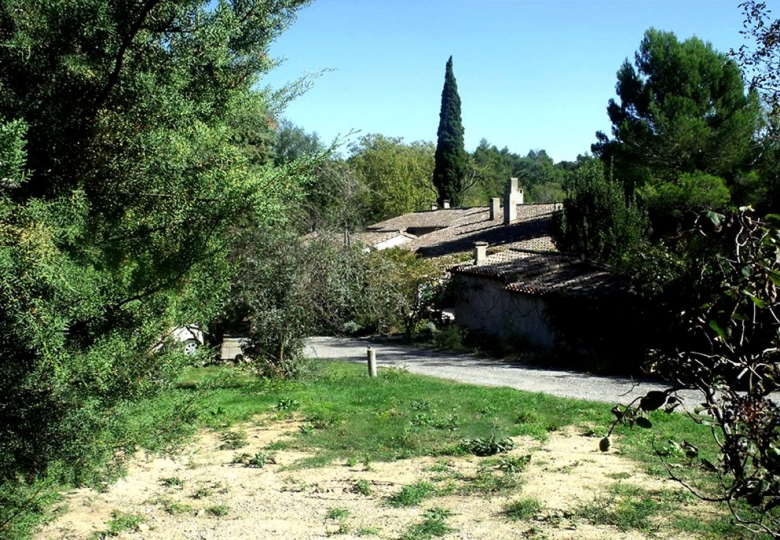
371, 362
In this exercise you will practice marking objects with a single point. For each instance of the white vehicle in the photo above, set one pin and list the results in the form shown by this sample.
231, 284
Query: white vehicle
189, 337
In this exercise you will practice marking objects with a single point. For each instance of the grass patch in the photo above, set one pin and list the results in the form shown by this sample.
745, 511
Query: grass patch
354, 419
631, 508
521, 509
218, 510
233, 440
119, 523
339, 515
433, 526
412, 495
173, 481
363, 487
350, 416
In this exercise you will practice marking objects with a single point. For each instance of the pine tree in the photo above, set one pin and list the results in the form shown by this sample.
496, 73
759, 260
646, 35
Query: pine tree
450, 167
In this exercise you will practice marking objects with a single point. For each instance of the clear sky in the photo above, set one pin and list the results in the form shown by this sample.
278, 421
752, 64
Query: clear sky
531, 74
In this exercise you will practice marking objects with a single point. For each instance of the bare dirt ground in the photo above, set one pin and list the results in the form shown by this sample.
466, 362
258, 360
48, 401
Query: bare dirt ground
202, 494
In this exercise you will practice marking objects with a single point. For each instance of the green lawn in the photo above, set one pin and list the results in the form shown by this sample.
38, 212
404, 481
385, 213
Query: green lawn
349, 417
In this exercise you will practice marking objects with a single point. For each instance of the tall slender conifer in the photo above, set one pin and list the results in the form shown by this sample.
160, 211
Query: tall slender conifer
450, 167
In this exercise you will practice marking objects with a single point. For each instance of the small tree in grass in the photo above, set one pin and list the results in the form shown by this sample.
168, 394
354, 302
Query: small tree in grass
403, 288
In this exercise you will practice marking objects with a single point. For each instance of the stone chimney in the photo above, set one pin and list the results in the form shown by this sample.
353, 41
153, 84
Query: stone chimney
510, 202
446, 204
434, 207
480, 253
495, 204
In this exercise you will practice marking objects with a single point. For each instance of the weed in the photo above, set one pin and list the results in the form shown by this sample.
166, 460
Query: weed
257, 461
419, 405
351, 462
526, 417
287, 404
337, 513
233, 440
218, 510
321, 421
174, 508
368, 531
173, 481
363, 487
306, 429
514, 464
443, 465
119, 523
279, 445
294, 485
449, 422
488, 482
170, 506
487, 447
488, 410
204, 491
438, 513
412, 495
522, 509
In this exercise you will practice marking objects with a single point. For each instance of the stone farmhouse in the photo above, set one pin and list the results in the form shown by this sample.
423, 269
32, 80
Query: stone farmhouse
514, 271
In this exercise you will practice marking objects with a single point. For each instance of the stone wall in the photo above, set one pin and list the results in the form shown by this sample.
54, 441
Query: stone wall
484, 305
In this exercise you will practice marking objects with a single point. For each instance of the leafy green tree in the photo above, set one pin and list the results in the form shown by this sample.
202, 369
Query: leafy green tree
541, 179
450, 169
398, 175
113, 225
293, 142
596, 220
402, 288
682, 110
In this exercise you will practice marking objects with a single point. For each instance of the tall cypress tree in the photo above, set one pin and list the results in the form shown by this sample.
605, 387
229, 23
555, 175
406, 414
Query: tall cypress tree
450, 167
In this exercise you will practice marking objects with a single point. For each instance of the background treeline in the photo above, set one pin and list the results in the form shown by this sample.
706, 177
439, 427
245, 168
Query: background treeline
378, 177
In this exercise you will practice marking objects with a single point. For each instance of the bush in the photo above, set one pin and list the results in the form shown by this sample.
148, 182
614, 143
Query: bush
596, 220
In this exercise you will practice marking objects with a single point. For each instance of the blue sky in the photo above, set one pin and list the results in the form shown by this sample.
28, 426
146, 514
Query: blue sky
531, 74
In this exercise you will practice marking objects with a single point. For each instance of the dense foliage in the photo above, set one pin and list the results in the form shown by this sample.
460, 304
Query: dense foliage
596, 220
682, 130
449, 172
541, 179
397, 175
123, 143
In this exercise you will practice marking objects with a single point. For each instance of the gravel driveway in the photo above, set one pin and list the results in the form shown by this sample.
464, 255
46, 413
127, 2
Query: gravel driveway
488, 371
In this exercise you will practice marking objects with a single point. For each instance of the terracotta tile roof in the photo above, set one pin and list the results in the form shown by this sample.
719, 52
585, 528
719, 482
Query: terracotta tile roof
540, 273
443, 232
372, 238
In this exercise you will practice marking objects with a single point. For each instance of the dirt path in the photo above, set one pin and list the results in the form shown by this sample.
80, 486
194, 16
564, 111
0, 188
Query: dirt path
203, 494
